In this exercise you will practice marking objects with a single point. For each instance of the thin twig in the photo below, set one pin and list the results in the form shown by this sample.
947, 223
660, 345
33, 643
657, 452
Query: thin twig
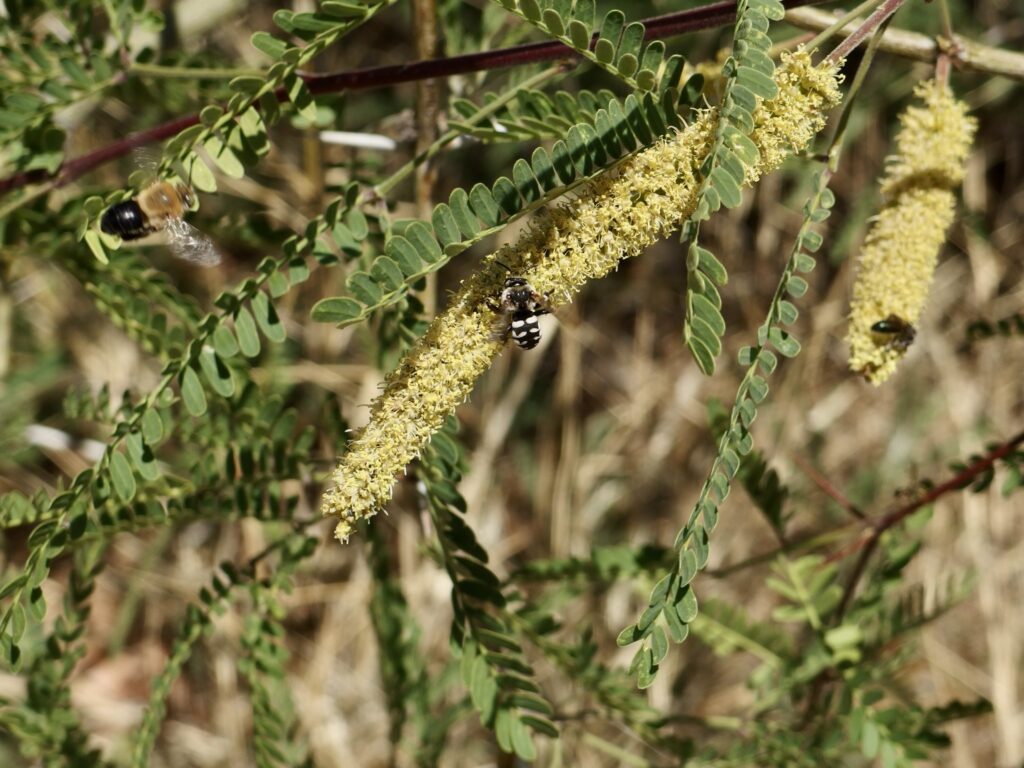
826, 487
942, 67
870, 537
427, 106
960, 480
966, 54
876, 527
840, 22
859, 35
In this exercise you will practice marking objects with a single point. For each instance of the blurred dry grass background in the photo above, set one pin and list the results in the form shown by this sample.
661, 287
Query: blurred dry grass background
599, 436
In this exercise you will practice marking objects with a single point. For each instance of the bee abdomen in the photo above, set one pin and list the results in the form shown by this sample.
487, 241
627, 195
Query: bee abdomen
525, 329
126, 220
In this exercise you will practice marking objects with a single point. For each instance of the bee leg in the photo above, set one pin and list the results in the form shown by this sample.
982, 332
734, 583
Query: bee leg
500, 329
493, 307
542, 305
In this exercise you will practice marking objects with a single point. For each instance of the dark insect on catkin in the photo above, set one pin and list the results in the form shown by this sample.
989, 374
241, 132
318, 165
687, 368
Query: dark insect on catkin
519, 307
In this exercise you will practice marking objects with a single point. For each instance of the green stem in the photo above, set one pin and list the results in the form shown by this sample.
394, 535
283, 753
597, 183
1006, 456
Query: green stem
193, 73
625, 757
836, 144
32, 194
389, 183
879, 15
947, 20
840, 22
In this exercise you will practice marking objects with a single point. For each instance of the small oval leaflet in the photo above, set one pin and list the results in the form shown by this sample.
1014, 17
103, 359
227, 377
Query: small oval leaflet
192, 392
337, 309
122, 476
266, 317
245, 329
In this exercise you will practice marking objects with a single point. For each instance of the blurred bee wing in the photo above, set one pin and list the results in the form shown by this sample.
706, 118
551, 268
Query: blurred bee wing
501, 327
147, 158
146, 161
190, 244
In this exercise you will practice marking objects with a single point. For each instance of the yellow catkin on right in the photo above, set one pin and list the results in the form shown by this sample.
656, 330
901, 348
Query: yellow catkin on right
902, 246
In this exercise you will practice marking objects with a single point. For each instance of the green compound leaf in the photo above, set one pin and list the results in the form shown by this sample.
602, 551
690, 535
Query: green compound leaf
786, 344
796, 287
192, 393
446, 227
811, 241
758, 388
702, 355
364, 287
530, 10
787, 313
540, 163
245, 329
727, 187
579, 34
484, 205
759, 83
142, 457
553, 22
506, 195
267, 318
216, 372
122, 476
387, 273
95, 243
299, 95
712, 267
708, 312
646, 669
199, 174
525, 181
464, 217
344, 10
224, 342
424, 242
405, 255
224, 157
152, 426
562, 162
704, 334
268, 44
277, 284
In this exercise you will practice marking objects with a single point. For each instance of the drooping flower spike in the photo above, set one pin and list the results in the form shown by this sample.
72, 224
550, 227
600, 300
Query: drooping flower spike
618, 216
902, 246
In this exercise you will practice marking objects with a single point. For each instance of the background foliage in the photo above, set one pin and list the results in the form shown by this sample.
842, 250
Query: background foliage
170, 596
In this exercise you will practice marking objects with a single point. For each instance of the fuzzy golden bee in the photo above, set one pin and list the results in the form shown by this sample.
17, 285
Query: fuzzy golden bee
161, 207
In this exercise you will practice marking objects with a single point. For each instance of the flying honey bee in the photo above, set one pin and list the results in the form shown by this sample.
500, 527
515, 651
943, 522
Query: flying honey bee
161, 207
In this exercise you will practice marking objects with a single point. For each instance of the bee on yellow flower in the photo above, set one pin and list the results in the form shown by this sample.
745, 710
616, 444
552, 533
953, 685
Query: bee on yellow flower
902, 246
619, 215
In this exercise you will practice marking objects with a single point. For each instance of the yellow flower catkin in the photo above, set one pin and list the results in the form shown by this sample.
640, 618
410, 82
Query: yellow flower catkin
902, 246
615, 218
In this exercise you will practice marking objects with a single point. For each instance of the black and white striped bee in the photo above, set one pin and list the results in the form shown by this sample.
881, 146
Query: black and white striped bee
519, 307
901, 333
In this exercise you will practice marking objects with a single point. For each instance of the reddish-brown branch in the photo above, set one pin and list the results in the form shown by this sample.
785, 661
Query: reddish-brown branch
826, 487
859, 35
961, 480
872, 534
681, 22
877, 526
